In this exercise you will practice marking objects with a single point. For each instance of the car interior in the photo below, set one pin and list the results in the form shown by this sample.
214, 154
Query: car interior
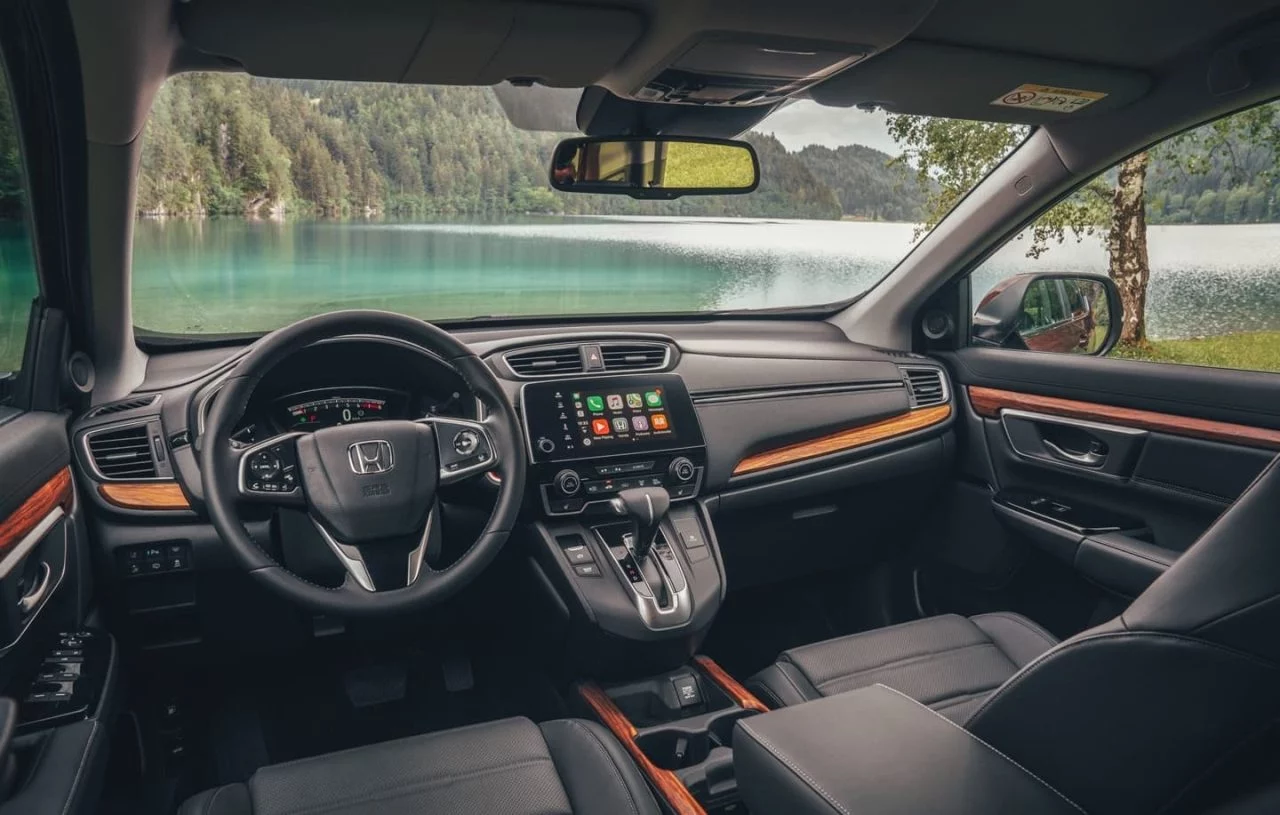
886, 556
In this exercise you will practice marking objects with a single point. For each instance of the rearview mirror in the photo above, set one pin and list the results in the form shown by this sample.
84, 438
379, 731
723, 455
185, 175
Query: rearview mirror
655, 167
1066, 314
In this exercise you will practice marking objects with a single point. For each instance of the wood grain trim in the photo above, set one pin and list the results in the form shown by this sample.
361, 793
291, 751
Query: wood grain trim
989, 402
54, 493
742, 697
153, 495
667, 783
845, 439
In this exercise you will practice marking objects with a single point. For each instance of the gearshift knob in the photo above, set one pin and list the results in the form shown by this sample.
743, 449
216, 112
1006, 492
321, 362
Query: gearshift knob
646, 507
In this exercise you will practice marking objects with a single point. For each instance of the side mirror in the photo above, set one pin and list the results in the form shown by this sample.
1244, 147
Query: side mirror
655, 167
1060, 313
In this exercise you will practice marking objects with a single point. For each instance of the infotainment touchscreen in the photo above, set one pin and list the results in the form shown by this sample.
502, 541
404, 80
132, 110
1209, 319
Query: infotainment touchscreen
609, 415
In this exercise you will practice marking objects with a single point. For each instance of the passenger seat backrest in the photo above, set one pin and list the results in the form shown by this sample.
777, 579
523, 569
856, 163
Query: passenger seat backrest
1126, 717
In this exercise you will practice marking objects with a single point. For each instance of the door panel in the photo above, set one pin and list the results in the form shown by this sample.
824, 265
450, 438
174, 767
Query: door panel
1104, 469
41, 562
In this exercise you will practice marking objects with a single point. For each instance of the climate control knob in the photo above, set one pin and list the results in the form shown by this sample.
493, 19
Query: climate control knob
682, 470
568, 482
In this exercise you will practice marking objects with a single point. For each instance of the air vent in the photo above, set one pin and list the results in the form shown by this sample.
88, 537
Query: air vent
557, 360
926, 386
633, 356
118, 407
123, 454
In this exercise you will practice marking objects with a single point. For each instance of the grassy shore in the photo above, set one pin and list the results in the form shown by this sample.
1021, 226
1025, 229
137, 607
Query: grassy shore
1250, 350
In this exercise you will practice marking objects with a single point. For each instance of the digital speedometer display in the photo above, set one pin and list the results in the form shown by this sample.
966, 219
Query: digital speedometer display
328, 408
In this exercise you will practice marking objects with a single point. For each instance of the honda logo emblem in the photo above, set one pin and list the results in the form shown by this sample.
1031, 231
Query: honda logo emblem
370, 457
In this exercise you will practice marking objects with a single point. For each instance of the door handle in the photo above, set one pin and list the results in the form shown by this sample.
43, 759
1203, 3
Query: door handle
32, 599
1092, 458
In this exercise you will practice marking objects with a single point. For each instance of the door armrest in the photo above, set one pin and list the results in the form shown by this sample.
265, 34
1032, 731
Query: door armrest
874, 751
1122, 563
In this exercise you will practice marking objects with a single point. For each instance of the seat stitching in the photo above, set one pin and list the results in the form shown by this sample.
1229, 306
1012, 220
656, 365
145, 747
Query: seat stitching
211, 800
387, 793
1026, 624
617, 773
908, 661
973, 736
894, 627
804, 697
742, 723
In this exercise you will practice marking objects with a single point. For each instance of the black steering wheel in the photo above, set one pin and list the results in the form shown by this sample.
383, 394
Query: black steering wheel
369, 488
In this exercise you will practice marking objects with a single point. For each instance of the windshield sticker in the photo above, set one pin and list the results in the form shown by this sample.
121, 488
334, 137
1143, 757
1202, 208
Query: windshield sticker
1047, 97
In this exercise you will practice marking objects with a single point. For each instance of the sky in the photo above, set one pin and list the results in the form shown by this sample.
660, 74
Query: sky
803, 123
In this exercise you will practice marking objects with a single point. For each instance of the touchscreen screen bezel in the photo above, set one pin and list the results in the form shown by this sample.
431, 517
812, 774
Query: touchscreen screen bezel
537, 410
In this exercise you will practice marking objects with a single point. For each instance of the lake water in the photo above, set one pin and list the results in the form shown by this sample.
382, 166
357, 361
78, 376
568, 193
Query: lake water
221, 275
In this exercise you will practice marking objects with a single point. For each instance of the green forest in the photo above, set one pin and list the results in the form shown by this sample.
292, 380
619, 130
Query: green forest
228, 144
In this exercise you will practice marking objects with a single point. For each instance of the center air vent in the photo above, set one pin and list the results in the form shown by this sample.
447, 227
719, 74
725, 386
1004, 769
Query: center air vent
123, 453
634, 356
551, 360
926, 386
589, 358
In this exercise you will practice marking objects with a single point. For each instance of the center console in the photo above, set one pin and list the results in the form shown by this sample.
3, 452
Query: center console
593, 437
616, 463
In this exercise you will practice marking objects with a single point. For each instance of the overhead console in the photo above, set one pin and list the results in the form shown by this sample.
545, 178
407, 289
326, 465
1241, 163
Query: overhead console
592, 437
735, 70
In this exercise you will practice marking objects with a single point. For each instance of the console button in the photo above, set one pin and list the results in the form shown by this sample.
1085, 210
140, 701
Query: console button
690, 533
687, 690
587, 570
578, 554
684, 491
565, 505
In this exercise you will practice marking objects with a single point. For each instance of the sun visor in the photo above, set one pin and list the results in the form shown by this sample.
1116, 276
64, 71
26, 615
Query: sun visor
963, 83
474, 43
457, 42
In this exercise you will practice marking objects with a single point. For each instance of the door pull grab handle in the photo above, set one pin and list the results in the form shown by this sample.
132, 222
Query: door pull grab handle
32, 599
1090, 459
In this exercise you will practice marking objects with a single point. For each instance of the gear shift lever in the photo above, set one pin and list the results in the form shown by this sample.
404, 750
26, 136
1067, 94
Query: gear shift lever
645, 507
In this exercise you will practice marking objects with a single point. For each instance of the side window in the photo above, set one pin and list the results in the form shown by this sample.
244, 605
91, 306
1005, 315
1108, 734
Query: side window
18, 281
1189, 231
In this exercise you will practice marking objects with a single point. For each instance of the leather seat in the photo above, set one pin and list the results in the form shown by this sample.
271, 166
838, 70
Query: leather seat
950, 663
1138, 714
511, 766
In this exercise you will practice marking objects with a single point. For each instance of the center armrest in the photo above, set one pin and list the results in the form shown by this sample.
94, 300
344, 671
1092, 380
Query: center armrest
875, 751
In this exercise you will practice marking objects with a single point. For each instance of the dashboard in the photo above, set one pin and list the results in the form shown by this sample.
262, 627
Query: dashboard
349, 381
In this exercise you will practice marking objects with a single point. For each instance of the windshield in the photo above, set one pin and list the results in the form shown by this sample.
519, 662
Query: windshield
264, 201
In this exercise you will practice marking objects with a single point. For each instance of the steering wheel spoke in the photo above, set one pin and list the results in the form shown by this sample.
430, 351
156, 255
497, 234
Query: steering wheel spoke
382, 566
268, 472
464, 447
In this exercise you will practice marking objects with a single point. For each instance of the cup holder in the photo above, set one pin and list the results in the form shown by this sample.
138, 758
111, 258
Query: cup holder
675, 748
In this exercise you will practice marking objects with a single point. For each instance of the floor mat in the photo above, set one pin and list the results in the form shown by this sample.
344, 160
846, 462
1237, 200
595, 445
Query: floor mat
312, 710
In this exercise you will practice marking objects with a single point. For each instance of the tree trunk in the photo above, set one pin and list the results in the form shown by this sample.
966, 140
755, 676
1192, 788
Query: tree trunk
1127, 245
